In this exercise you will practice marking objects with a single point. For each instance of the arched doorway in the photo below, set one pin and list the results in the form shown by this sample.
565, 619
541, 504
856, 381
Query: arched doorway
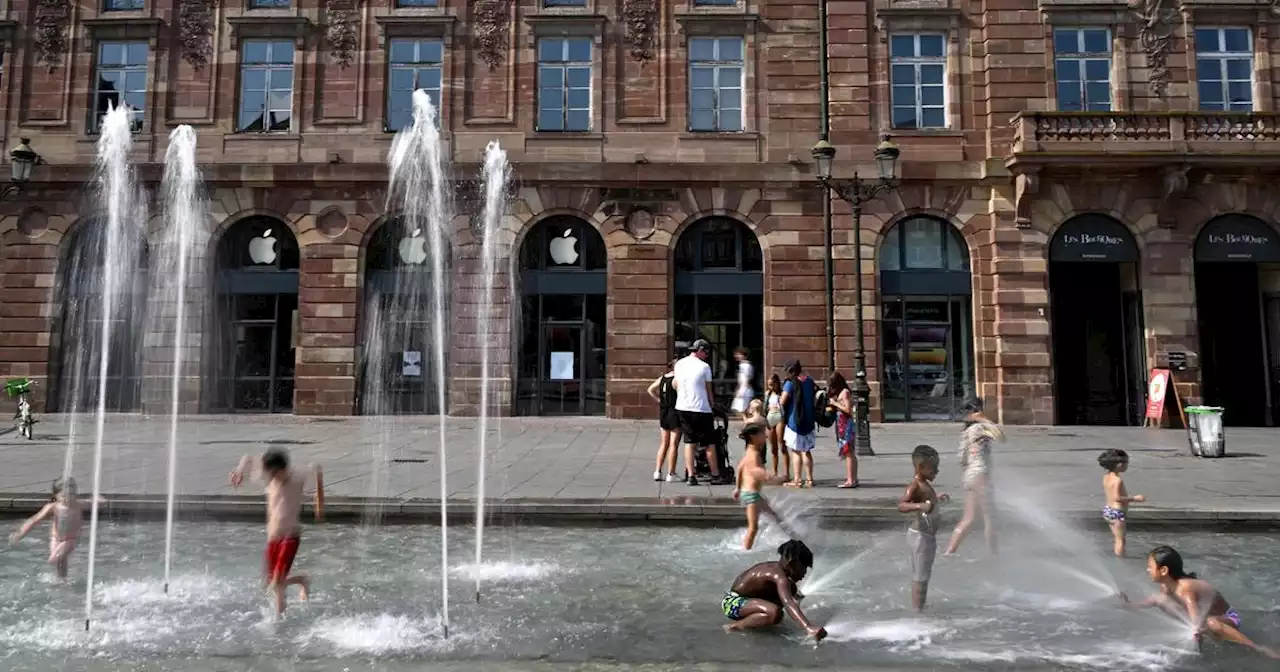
78, 335
1238, 309
719, 295
398, 356
1096, 315
926, 342
254, 321
563, 315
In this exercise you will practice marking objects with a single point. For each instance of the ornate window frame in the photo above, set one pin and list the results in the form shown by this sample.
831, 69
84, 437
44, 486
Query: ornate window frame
1092, 14
922, 16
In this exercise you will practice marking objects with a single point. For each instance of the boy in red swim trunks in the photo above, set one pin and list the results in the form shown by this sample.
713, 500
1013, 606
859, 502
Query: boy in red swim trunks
284, 506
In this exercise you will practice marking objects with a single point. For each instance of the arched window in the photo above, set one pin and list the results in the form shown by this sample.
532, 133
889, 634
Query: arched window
564, 309
255, 316
719, 294
926, 341
78, 343
398, 362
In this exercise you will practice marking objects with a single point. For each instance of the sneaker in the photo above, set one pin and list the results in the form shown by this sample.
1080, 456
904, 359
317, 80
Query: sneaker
671, 477
657, 476
692, 480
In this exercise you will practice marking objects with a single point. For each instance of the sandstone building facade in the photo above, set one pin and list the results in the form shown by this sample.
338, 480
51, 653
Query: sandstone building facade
1085, 190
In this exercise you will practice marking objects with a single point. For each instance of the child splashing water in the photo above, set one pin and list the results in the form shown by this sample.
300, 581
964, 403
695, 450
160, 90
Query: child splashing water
752, 479
761, 594
1186, 597
1116, 462
67, 514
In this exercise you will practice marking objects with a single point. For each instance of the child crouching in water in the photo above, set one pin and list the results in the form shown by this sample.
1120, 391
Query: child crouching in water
67, 514
1188, 598
751, 480
284, 507
1116, 462
922, 500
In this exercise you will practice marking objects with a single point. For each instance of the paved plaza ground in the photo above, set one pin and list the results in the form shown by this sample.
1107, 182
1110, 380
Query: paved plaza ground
591, 469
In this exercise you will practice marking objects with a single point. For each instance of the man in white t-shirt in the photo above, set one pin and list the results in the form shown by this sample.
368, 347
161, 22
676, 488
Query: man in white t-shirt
693, 406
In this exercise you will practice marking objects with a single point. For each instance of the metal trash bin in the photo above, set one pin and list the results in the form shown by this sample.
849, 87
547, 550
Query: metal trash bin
1204, 431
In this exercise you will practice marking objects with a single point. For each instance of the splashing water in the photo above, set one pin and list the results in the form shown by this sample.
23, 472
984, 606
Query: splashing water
184, 212
417, 188
496, 170
506, 572
820, 584
117, 188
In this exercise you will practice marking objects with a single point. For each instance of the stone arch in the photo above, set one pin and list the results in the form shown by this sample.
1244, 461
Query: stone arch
516, 229
966, 232
220, 229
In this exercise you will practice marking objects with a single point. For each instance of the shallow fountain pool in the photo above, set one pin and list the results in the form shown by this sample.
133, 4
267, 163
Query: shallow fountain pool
604, 598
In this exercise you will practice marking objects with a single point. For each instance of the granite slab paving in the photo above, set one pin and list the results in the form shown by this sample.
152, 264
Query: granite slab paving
594, 467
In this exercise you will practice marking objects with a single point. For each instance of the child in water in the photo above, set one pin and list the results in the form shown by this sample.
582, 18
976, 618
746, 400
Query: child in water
284, 506
922, 534
1186, 597
1116, 462
67, 518
760, 595
752, 478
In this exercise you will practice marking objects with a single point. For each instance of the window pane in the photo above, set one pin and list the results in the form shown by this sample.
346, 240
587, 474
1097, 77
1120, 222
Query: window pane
282, 53
731, 98
1240, 92
1068, 69
902, 46
110, 53
1207, 39
429, 78
579, 50
254, 79
731, 49
1239, 68
933, 117
550, 51
579, 120
904, 117
730, 119
932, 74
922, 239
550, 78
579, 99
550, 120
702, 78
931, 95
1097, 70
1069, 96
1097, 41
136, 53
931, 46
903, 74
1211, 92
279, 120
1098, 92
255, 52
702, 99
702, 120
1236, 39
889, 250
730, 77
430, 51
401, 51
702, 49
579, 77
551, 99
135, 80
1066, 41
904, 95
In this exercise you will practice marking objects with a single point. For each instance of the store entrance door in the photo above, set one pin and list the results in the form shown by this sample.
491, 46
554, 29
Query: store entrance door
927, 355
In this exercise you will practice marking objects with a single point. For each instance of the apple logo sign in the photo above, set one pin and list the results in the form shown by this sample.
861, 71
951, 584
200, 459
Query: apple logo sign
564, 250
413, 248
263, 250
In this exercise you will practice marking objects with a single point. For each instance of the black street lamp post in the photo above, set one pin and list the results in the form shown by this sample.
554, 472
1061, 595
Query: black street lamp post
855, 192
21, 160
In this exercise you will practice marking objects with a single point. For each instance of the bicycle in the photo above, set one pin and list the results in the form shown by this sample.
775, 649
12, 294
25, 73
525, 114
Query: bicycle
19, 388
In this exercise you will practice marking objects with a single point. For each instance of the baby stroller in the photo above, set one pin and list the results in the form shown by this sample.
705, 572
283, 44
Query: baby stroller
720, 418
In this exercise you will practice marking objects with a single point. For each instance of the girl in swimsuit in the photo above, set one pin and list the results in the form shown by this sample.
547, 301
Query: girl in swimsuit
751, 479
67, 516
773, 415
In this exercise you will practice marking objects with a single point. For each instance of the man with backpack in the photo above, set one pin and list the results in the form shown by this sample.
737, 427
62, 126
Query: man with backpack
799, 395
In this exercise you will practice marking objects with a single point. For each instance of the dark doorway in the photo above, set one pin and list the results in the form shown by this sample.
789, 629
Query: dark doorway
254, 319
1235, 258
563, 315
1096, 317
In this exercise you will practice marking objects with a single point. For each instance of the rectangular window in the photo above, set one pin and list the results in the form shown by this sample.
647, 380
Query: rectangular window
122, 5
1082, 65
715, 3
564, 84
716, 69
268, 4
266, 86
417, 3
415, 64
1224, 69
564, 3
121, 80
918, 69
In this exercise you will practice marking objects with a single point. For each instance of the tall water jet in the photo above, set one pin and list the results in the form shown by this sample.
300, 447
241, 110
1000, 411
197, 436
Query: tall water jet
117, 190
184, 219
417, 188
496, 171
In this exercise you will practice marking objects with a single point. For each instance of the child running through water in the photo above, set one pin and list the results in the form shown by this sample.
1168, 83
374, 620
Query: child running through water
922, 534
284, 506
1116, 462
1194, 600
67, 515
751, 480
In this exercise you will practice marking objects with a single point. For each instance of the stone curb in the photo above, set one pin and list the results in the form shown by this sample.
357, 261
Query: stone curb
718, 512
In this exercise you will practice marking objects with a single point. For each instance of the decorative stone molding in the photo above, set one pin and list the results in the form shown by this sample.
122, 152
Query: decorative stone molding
195, 31
939, 18
124, 28
340, 30
33, 223
1157, 20
52, 19
1174, 185
640, 18
641, 223
415, 26
332, 223
492, 30
1026, 186
247, 27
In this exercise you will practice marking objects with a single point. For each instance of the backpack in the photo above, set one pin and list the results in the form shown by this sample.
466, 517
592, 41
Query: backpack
824, 415
667, 394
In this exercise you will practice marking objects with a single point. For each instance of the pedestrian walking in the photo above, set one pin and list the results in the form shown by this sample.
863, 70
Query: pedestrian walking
746, 374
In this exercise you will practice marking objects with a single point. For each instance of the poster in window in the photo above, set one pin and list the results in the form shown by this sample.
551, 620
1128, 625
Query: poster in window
562, 366
411, 364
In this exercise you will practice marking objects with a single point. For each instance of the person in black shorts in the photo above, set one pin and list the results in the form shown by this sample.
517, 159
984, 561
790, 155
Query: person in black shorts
663, 391
693, 405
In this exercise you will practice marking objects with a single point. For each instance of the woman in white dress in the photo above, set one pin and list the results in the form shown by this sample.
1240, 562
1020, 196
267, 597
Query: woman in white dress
746, 373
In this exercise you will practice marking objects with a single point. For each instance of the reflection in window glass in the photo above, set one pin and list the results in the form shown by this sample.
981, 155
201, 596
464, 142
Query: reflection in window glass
564, 84
923, 243
266, 86
715, 83
718, 243
121, 80
917, 69
415, 64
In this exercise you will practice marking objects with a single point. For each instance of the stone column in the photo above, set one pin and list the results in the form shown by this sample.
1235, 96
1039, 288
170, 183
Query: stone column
639, 321
1168, 306
328, 291
464, 329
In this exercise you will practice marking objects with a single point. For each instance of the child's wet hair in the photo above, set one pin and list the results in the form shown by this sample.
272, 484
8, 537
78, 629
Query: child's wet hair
924, 454
795, 551
64, 485
1112, 459
275, 460
749, 430
1167, 557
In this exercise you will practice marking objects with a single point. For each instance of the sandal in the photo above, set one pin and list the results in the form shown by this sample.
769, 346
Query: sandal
793, 484
847, 485
806, 484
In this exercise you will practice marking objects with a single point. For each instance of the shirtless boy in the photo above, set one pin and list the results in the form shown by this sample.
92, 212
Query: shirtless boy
751, 480
922, 500
761, 594
284, 506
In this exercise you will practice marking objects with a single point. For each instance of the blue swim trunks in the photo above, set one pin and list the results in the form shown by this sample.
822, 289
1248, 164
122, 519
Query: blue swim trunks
1112, 514
1234, 617
731, 605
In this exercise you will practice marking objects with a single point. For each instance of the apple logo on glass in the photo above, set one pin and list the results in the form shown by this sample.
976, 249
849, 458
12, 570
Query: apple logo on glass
263, 250
413, 248
564, 250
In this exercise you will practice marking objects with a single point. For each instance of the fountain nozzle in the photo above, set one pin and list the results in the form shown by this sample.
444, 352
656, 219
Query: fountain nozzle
86, 625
